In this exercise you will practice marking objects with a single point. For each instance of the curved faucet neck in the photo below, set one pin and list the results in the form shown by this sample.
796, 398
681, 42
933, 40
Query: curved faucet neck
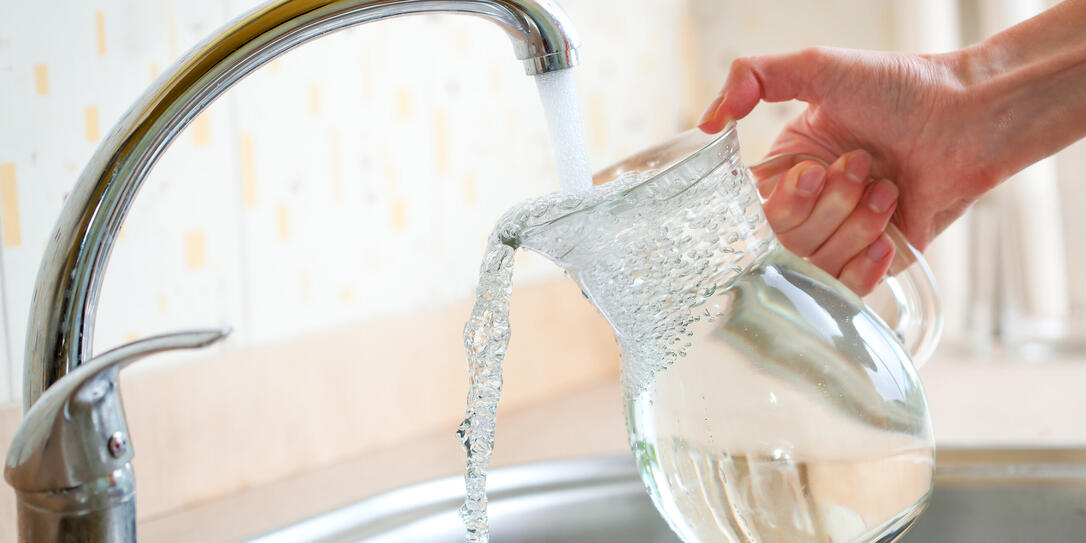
61, 325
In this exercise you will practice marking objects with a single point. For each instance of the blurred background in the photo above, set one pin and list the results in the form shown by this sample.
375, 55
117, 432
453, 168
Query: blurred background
333, 207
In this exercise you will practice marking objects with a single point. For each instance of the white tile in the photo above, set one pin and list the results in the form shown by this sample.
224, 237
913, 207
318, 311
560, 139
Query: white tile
97, 59
178, 262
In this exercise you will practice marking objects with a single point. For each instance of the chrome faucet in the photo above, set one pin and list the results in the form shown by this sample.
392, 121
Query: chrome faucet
70, 459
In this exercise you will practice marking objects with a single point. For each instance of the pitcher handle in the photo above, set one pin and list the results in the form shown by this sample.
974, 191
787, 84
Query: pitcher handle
913, 311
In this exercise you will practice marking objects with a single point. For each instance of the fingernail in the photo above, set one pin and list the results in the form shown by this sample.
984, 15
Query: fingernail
879, 249
858, 166
882, 196
810, 181
708, 117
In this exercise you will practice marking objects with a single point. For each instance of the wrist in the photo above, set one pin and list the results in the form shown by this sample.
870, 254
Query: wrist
966, 85
1015, 106
971, 67
1022, 92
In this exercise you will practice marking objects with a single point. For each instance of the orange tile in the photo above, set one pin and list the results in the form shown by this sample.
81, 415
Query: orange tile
471, 188
282, 219
194, 250
399, 215
9, 206
404, 104
90, 121
336, 164
100, 32
41, 79
201, 129
248, 173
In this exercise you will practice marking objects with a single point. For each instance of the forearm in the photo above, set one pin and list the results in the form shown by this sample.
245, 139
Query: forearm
1027, 89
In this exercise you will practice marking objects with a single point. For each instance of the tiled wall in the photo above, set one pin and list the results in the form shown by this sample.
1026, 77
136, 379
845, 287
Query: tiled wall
353, 177
356, 176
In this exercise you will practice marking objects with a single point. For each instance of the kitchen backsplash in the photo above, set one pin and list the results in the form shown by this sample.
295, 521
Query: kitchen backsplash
355, 176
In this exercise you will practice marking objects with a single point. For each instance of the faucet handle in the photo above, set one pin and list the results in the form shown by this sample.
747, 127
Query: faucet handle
76, 432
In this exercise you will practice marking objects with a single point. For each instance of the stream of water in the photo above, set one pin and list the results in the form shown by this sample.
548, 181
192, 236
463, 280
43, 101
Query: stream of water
486, 334
559, 97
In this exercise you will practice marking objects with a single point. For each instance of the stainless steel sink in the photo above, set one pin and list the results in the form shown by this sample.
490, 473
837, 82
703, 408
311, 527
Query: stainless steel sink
982, 495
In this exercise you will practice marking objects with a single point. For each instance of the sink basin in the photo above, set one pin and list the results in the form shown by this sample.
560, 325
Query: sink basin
981, 495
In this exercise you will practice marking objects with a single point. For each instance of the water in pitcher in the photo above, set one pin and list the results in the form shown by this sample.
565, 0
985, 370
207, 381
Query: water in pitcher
764, 402
767, 432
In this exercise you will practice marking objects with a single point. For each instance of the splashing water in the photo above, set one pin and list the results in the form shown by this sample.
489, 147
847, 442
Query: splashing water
559, 97
486, 338
486, 334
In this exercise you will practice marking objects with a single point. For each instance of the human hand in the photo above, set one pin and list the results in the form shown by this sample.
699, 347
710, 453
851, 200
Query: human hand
834, 216
946, 128
909, 111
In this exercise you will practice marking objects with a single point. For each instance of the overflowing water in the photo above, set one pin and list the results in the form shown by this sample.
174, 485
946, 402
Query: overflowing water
486, 338
486, 334
793, 416
563, 114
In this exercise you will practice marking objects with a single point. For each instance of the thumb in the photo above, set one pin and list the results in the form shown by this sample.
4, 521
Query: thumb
773, 78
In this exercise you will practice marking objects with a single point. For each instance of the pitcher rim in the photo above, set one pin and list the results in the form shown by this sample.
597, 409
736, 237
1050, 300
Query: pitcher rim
690, 146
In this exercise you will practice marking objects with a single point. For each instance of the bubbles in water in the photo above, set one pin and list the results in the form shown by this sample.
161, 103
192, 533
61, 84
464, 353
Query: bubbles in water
646, 274
486, 338
652, 251
793, 416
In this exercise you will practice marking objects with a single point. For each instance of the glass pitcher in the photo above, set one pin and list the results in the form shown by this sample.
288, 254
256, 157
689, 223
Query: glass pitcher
764, 400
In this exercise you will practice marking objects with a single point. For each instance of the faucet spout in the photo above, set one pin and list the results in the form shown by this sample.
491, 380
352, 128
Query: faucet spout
61, 325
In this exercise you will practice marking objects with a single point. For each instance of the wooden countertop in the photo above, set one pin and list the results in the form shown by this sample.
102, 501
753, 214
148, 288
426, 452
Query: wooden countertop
583, 423
973, 403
